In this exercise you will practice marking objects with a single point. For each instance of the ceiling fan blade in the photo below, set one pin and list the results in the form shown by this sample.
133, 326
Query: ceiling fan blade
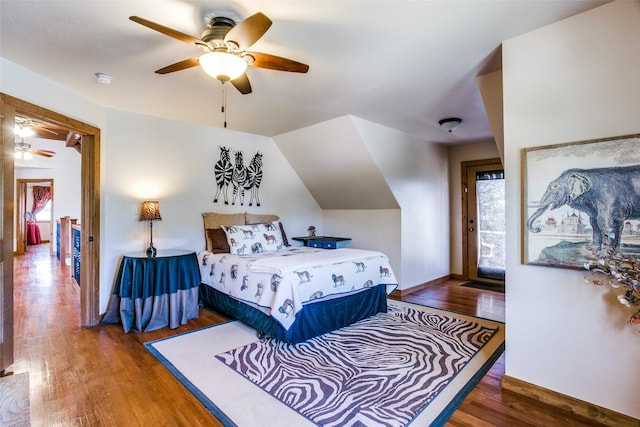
178, 66
45, 153
40, 128
242, 84
272, 62
168, 31
44, 133
248, 31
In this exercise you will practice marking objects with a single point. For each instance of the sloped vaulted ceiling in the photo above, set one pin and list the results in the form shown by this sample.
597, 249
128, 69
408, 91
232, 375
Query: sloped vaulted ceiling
336, 166
402, 64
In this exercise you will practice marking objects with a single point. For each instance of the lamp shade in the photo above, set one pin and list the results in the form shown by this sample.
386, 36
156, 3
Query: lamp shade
223, 66
150, 211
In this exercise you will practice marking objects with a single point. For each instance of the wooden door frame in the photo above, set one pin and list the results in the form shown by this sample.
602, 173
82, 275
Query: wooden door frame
6, 247
90, 201
20, 196
465, 210
20, 227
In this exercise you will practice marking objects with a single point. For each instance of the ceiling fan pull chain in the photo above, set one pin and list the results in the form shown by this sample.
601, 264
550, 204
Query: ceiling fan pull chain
224, 104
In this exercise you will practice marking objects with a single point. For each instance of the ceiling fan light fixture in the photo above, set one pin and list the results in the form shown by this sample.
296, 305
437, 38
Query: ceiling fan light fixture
450, 124
24, 131
22, 151
223, 66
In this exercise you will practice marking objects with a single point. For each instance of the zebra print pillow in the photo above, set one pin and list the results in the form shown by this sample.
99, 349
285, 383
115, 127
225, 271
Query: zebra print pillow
253, 239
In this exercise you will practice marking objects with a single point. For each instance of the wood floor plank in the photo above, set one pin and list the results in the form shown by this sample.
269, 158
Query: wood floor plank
14, 400
101, 376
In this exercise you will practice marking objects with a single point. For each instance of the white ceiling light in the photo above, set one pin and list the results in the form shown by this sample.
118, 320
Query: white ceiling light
23, 131
23, 151
223, 66
450, 124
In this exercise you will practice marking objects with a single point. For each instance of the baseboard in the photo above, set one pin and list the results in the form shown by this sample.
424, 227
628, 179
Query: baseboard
459, 277
398, 293
567, 403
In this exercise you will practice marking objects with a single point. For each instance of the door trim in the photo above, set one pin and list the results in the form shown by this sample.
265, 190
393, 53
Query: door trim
90, 202
6, 232
465, 211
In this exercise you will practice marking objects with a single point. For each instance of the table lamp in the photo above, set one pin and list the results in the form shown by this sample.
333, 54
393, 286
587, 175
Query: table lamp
150, 211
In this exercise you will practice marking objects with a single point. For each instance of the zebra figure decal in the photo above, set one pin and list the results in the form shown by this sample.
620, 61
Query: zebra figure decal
254, 178
223, 172
243, 178
239, 178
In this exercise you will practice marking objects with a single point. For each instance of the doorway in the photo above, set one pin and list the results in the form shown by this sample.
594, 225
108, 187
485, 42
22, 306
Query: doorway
484, 221
23, 217
89, 138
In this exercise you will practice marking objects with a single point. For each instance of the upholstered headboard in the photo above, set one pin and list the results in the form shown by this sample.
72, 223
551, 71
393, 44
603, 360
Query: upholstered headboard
214, 236
215, 219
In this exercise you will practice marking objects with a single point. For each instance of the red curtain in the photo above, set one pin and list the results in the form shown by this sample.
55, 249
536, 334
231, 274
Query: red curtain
41, 196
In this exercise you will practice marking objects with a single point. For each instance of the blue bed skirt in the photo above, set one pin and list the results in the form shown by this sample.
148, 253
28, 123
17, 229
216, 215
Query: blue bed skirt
314, 319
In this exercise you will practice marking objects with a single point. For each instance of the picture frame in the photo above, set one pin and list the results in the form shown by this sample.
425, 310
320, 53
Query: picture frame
575, 196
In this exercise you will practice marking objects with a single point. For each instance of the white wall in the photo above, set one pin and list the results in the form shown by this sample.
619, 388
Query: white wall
384, 188
372, 229
571, 81
457, 155
417, 172
144, 157
149, 158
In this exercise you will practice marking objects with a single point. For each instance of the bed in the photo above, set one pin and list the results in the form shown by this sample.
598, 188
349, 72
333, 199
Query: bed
292, 293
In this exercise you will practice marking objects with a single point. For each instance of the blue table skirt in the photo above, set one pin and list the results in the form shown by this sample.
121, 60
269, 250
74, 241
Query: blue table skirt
152, 293
142, 277
149, 314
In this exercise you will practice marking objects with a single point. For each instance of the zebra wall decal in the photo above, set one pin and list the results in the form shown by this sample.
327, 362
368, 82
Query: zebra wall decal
223, 172
254, 178
239, 178
243, 178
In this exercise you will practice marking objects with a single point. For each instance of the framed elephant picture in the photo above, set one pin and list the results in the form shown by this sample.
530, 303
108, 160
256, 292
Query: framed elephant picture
581, 201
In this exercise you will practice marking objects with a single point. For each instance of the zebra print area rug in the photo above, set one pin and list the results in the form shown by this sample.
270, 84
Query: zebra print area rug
413, 365
380, 371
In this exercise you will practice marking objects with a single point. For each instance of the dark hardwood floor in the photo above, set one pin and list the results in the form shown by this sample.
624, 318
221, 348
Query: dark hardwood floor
101, 376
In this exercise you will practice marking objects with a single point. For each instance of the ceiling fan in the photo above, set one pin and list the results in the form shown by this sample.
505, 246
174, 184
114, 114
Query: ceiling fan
26, 127
24, 151
225, 45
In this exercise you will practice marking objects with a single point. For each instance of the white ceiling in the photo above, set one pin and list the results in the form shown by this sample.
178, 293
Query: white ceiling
403, 64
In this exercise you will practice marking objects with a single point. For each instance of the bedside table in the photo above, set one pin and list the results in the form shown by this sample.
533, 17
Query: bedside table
325, 242
152, 293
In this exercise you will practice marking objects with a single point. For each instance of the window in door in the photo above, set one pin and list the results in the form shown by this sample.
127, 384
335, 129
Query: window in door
484, 219
491, 224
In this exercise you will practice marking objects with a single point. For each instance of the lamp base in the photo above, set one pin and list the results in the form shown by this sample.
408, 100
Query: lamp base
151, 251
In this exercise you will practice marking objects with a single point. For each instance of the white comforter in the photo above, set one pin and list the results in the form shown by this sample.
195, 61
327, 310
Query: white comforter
280, 283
